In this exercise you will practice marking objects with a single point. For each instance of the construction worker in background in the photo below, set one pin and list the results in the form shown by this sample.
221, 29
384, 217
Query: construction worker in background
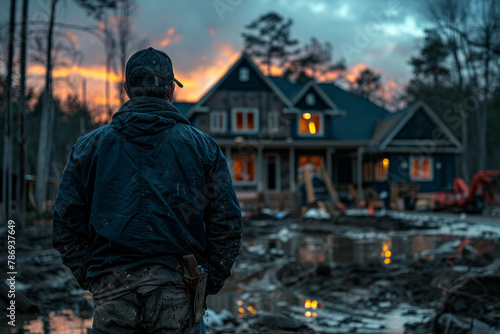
146, 216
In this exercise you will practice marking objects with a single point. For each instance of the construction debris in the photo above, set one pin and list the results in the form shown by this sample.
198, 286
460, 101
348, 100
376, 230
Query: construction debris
400, 272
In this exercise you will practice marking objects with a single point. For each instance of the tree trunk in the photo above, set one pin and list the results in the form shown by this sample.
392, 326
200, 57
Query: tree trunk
46, 123
108, 68
21, 137
483, 111
8, 133
123, 26
464, 126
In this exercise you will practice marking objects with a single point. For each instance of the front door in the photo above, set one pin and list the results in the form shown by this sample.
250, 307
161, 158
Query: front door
272, 172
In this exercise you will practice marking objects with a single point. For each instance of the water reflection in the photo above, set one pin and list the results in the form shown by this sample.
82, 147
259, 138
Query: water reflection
60, 322
340, 249
261, 292
253, 288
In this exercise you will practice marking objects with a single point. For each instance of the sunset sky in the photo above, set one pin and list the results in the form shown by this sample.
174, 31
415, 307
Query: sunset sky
203, 38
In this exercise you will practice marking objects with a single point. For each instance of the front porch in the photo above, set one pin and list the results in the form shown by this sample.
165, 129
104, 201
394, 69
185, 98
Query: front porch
268, 172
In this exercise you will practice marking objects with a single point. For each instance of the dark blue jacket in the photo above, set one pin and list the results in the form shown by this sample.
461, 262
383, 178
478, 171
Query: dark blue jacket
146, 189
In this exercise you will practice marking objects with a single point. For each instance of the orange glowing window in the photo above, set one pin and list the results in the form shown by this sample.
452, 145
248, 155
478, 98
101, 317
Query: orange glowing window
421, 169
250, 123
382, 169
245, 119
244, 168
310, 124
315, 160
239, 121
368, 171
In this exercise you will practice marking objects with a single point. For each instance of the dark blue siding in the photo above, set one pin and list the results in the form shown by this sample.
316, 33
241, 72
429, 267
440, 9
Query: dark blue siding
442, 178
420, 126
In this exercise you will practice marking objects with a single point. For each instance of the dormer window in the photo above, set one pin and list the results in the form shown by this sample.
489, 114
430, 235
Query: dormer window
310, 99
310, 124
244, 74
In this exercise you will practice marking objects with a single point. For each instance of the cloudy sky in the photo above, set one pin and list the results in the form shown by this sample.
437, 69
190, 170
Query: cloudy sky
203, 37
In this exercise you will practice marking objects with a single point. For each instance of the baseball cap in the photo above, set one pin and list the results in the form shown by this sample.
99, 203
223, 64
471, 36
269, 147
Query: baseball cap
157, 62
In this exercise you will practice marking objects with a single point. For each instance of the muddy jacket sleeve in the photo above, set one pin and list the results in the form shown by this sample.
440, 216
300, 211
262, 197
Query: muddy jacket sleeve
70, 234
223, 224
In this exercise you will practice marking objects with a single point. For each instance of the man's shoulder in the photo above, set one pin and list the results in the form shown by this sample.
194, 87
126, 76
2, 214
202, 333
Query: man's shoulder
91, 138
200, 136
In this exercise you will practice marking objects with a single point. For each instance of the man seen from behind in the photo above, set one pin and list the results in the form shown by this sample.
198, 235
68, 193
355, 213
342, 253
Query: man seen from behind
146, 216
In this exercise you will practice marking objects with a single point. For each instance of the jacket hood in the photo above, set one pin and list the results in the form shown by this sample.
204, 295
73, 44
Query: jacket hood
146, 120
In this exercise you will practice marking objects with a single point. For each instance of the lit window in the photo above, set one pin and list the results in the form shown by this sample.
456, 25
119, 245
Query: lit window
244, 74
244, 168
273, 121
310, 99
310, 124
382, 169
315, 160
245, 120
421, 169
218, 121
368, 171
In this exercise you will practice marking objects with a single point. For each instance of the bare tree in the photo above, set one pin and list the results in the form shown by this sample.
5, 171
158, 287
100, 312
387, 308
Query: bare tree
268, 39
451, 16
316, 60
471, 31
47, 120
8, 125
109, 47
21, 134
488, 31
98, 9
123, 28
367, 84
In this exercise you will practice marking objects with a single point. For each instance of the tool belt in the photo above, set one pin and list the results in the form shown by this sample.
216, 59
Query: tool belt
196, 277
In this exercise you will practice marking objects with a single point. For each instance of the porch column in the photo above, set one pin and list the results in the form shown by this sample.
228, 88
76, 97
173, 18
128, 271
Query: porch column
359, 174
293, 168
259, 170
329, 165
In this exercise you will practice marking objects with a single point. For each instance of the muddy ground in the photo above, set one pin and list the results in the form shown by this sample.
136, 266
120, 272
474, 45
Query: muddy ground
441, 275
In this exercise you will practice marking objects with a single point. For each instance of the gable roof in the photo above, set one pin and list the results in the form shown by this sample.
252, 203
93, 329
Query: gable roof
246, 58
403, 117
360, 118
312, 85
288, 88
386, 124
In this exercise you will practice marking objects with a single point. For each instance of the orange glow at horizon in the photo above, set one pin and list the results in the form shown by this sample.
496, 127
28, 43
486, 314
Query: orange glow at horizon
330, 76
94, 72
197, 79
196, 82
355, 71
274, 70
